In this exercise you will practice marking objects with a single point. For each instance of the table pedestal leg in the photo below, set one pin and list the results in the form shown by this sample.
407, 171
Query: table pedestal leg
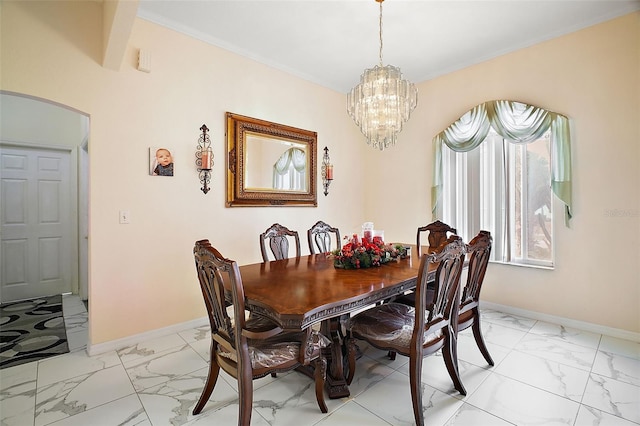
336, 383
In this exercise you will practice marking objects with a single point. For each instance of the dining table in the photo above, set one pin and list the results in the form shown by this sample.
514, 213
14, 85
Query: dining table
305, 291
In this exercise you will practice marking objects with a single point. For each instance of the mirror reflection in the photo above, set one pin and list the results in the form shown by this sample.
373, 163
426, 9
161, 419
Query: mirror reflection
273, 163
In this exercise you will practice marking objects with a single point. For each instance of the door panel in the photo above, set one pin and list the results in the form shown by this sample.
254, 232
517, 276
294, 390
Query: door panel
14, 265
36, 223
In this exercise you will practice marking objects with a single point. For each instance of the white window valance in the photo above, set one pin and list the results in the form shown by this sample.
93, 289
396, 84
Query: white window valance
518, 123
289, 172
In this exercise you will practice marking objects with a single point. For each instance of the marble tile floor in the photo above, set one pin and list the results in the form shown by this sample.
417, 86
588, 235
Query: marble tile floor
545, 374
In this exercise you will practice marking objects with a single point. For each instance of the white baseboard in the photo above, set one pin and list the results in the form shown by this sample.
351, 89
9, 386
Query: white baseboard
580, 325
113, 345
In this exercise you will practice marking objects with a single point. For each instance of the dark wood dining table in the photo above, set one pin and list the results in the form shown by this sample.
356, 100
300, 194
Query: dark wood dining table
300, 292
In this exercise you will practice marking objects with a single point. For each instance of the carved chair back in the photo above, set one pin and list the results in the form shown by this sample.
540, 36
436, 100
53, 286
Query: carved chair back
480, 249
214, 270
444, 306
319, 238
438, 233
469, 312
277, 239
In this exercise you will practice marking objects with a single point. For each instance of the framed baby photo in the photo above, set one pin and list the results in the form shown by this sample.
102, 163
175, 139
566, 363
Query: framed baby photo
160, 161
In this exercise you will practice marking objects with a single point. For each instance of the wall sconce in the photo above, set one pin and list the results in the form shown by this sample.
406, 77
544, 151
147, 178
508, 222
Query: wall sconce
204, 159
327, 171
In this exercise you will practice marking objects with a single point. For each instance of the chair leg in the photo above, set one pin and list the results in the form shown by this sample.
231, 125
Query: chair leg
477, 334
415, 382
320, 376
245, 397
392, 355
210, 384
351, 354
450, 355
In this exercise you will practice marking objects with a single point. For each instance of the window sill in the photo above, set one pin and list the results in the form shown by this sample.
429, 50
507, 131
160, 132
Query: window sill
524, 265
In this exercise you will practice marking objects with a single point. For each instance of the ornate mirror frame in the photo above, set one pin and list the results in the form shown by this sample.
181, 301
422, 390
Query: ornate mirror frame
238, 129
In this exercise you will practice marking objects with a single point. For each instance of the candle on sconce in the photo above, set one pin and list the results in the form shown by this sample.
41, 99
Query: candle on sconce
329, 171
206, 160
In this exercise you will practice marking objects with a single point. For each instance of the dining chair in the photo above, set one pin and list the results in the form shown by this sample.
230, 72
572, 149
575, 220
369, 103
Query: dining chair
319, 237
277, 239
251, 348
480, 250
420, 331
438, 233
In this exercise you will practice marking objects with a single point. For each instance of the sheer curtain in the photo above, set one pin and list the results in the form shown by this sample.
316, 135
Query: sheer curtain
518, 123
289, 172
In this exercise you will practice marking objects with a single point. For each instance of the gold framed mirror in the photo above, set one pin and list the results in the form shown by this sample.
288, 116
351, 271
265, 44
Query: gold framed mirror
269, 164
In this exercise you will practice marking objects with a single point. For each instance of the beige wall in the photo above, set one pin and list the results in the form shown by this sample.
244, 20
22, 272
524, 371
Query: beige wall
141, 274
593, 77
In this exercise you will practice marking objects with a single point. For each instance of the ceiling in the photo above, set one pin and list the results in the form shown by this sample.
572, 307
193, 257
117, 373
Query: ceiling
330, 42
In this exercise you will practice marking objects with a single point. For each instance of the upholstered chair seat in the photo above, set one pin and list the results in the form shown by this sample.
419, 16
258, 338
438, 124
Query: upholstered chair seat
279, 350
390, 326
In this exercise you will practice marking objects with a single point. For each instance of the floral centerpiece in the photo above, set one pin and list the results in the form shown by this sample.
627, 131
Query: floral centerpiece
363, 253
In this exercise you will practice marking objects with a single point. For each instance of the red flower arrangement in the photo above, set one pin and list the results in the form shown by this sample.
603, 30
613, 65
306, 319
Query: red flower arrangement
360, 254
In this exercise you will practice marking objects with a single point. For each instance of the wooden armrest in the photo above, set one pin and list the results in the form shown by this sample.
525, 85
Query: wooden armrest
261, 335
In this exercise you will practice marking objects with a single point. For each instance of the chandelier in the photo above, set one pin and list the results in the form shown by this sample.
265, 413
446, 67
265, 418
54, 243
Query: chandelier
382, 102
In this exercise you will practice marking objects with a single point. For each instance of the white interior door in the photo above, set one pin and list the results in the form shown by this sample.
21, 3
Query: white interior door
36, 223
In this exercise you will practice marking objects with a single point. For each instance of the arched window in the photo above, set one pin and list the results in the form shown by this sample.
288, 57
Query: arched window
495, 168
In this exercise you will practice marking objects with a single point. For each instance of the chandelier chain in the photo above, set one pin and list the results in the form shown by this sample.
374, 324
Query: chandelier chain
380, 33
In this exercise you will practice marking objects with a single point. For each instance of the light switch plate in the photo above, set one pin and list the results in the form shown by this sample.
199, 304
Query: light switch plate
124, 217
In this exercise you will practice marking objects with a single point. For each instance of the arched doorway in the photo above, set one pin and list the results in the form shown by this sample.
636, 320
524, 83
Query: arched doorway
44, 194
